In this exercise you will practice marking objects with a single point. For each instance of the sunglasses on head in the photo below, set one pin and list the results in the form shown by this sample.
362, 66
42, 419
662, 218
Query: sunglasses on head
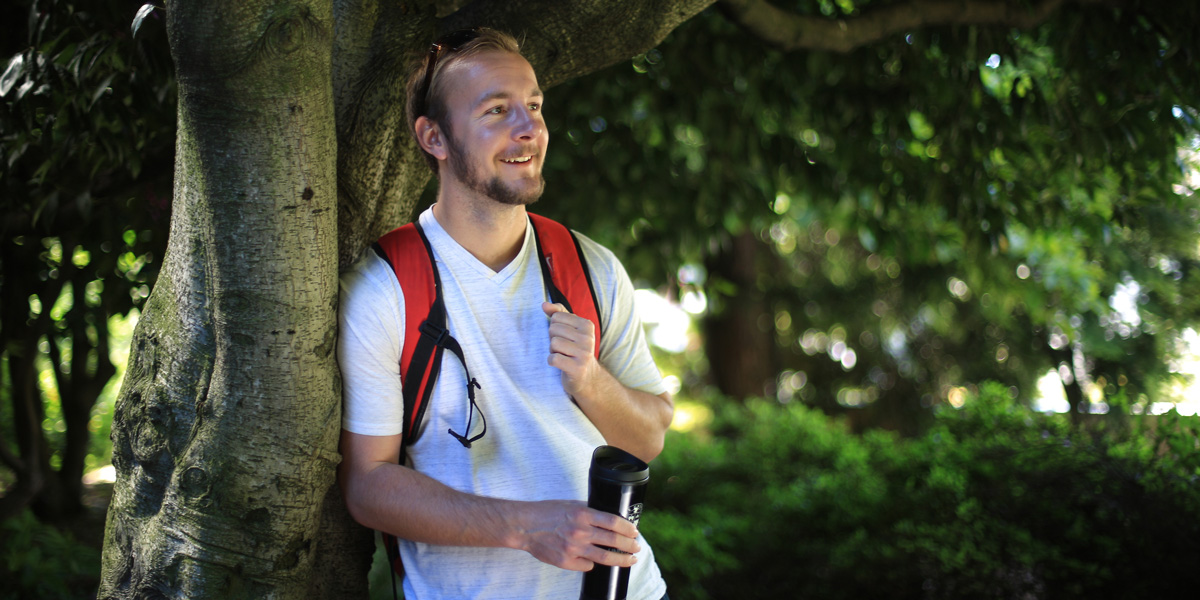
451, 42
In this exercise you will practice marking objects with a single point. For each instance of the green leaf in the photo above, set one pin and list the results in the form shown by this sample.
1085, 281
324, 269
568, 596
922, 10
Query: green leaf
141, 15
100, 89
16, 67
920, 126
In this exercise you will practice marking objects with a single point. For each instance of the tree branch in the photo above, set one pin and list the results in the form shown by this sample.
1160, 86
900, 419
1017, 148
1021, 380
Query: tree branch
789, 31
380, 172
10, 460
564, 40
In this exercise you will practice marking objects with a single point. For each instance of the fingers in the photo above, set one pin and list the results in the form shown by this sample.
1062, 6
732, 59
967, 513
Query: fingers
605, 547
575, 537
567, 346
572, 338
573, 328
572, 348
563, 320
569, 333
603, 556
592, 555
575, 360
598, 556
614, 532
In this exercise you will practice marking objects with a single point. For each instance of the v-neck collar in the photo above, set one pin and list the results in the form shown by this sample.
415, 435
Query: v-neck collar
444, 242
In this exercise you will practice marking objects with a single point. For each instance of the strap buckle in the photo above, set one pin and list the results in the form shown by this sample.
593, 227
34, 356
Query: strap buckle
437, 332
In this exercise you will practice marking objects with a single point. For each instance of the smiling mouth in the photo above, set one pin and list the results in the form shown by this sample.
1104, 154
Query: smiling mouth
518, 160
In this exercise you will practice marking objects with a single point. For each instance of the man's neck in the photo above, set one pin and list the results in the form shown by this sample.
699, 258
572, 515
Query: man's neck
492, 232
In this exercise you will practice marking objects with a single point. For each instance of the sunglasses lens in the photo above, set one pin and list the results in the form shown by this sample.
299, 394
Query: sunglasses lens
455, 39
450, 42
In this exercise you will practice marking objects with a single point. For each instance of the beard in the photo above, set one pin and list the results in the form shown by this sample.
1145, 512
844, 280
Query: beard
492, 187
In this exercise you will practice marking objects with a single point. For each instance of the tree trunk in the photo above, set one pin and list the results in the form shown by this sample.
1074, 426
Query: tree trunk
29, 463
225, 434
78, 387
740, 334
226, 429
37, 485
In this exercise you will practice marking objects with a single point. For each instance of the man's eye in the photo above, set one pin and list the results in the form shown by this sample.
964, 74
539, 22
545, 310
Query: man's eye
495, 110
535, 106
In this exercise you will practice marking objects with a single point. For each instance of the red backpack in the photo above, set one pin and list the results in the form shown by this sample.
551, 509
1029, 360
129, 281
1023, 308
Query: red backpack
566, 277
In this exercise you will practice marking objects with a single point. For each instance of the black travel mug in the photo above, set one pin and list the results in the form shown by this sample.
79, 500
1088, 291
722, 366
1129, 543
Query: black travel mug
616, 484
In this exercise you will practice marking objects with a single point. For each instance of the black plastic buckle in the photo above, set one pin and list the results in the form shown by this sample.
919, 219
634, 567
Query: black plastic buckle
436, 332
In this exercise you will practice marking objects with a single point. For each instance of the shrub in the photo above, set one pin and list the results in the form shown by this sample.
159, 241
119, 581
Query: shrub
39, 561
994, 501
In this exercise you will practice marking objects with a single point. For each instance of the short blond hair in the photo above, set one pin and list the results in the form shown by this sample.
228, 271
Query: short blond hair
430, 103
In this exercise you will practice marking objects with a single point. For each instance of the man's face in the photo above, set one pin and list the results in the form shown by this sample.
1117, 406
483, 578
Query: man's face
497, 139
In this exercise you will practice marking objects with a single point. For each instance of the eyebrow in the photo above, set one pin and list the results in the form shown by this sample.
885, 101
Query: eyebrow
537, 91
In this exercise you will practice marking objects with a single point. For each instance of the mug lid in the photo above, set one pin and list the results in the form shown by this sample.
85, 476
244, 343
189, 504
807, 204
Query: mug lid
615, 464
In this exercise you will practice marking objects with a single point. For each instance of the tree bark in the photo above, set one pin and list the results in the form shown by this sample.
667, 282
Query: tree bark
226, 429
742, 354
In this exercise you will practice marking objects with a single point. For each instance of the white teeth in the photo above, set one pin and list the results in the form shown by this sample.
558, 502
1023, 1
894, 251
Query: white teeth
522, 159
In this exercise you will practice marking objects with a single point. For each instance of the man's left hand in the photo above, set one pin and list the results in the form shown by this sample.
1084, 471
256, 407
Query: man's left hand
572, 344
629, 419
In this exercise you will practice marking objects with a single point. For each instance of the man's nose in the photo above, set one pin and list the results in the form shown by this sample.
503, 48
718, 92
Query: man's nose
528, 124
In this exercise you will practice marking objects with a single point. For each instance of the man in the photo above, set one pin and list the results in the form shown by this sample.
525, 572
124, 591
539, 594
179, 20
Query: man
503, 518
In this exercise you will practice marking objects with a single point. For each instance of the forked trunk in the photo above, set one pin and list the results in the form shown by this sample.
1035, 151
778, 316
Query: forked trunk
226, 430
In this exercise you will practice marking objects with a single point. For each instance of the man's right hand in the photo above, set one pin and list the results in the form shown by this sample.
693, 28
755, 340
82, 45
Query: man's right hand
569, 535
563, 533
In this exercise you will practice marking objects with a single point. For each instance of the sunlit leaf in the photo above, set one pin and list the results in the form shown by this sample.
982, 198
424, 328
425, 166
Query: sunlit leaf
100, 89
920, 126
25, 87
141, 15
16, 67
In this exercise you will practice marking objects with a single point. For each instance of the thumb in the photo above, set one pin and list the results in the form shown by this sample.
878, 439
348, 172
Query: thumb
550, 309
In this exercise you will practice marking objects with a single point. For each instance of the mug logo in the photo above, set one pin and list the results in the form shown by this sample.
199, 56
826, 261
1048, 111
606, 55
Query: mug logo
635, 513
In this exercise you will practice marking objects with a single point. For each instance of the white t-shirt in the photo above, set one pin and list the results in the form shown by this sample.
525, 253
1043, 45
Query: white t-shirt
538, 443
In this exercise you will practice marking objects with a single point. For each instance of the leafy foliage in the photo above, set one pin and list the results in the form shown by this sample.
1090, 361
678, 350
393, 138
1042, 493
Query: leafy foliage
946, 206
87, 121
995, 501
39, 561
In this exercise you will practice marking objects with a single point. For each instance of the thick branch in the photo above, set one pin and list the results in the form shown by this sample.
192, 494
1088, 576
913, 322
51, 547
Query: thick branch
380, 172
564, 40
789, 31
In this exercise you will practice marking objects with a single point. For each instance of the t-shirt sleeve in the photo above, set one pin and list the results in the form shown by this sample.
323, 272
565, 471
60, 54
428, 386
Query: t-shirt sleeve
370, 322
623, 349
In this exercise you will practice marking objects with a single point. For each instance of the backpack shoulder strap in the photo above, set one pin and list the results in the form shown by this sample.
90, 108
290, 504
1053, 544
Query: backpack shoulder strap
565, 271
411, 258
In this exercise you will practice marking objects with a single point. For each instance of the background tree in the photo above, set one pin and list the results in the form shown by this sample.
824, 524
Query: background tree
86, 123
893, 221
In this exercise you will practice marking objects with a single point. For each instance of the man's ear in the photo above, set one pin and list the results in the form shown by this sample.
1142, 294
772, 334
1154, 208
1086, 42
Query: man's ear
430, 138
